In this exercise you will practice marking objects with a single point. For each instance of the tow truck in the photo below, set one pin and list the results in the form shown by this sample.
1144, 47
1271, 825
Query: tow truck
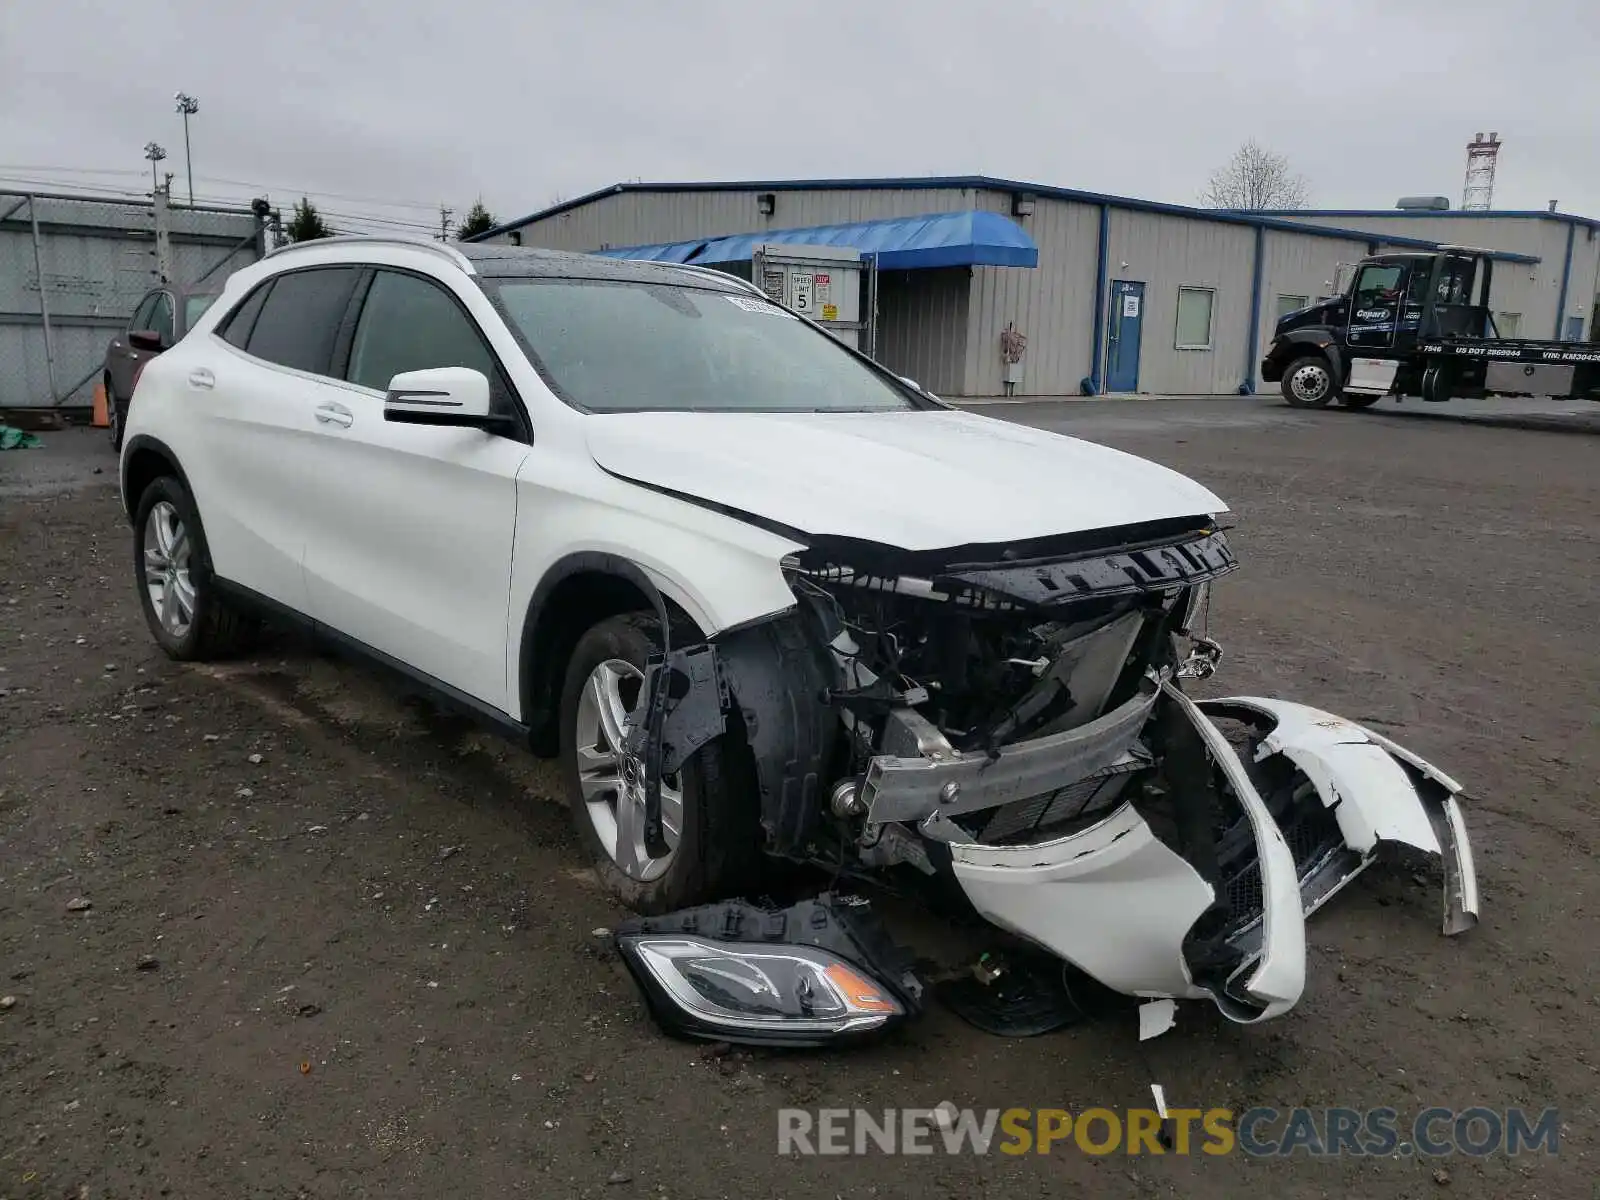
1407, 325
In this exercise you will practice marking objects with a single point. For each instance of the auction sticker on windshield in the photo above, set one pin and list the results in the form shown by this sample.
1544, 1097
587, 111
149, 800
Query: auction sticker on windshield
757, 306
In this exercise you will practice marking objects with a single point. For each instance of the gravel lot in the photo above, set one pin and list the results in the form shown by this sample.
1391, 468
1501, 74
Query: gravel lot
337, 945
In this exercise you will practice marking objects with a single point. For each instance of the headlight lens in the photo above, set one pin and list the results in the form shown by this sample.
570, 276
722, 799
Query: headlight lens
781, 990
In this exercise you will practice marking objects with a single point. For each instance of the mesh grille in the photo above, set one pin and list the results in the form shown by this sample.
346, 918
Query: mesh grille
1024, 819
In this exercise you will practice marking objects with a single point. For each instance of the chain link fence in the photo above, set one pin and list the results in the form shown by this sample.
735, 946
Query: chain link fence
73, 268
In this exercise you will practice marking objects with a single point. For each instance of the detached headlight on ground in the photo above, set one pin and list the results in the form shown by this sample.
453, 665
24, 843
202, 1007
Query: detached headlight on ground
741, 974
797, 990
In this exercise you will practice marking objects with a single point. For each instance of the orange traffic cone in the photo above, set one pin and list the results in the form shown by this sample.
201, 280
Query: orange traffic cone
100, 419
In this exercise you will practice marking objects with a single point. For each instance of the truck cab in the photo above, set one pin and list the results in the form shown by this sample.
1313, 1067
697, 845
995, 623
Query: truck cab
1392, 304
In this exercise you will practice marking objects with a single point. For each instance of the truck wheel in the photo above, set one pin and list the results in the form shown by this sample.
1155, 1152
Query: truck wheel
1435, 386
709, 846
1308, 383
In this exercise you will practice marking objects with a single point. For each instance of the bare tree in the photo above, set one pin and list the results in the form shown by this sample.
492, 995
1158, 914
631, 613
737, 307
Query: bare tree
1256, 178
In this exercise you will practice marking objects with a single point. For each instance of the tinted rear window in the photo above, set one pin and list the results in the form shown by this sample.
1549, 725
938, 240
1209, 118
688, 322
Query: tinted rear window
300, 319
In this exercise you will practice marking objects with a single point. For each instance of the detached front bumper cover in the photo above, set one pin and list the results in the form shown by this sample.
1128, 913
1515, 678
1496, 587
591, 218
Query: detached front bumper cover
815, 973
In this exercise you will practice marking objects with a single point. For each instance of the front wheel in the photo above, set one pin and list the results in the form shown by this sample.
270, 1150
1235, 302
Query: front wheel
709, 839
1308, 382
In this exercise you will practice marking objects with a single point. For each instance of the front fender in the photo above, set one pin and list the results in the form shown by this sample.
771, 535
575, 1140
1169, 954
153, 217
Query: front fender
1378, 793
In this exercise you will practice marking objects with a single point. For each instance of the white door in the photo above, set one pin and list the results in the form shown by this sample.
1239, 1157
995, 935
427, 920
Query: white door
254, 412
413, 557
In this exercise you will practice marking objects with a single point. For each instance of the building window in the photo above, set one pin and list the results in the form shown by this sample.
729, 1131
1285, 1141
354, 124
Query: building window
1289, 304
1507, 325
1194, 318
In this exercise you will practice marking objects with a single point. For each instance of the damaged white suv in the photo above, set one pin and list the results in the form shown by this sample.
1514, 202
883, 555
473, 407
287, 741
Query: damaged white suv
766, 601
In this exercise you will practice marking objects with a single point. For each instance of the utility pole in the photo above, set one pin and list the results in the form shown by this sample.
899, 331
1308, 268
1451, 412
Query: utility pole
155, 154
188, 106
163, 223
444, 222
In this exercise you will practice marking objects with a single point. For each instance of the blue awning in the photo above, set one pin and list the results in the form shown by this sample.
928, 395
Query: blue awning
958, 239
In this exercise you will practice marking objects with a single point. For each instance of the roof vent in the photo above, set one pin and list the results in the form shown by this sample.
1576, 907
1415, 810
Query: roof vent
1423, 203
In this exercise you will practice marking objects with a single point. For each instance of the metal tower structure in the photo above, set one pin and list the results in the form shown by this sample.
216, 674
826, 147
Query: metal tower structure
1482, 154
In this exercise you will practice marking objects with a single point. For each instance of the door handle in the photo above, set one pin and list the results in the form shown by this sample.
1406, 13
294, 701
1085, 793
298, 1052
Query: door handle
200, 377
335, 414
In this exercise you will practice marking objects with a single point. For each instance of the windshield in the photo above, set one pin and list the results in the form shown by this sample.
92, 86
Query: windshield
629, 346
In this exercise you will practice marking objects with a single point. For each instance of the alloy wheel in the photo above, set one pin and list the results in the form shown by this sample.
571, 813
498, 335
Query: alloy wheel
168, 552
612, 780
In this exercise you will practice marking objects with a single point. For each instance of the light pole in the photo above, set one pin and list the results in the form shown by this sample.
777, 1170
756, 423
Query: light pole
188, 106
155, 154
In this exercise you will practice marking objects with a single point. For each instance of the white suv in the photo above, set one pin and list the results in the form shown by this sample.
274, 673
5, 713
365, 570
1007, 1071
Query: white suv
764, 598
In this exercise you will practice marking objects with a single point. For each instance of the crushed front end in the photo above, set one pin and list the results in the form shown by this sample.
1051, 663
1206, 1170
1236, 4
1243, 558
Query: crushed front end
1011, 720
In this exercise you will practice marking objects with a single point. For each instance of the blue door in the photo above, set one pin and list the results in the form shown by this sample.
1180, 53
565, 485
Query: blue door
1122, 349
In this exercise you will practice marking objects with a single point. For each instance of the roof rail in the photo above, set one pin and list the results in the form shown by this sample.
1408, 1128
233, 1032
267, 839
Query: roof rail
721, 277
440, 249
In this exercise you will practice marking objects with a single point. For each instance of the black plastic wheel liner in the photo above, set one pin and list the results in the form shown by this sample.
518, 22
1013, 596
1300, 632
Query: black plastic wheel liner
844, 926
777, 681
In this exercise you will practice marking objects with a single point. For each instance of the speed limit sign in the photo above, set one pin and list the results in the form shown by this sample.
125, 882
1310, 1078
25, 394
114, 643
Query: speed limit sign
801, 287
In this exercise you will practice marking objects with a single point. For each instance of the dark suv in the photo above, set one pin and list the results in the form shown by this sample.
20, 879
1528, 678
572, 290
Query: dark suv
161, 318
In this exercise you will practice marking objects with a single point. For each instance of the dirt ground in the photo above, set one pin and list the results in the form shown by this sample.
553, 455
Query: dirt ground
339, 946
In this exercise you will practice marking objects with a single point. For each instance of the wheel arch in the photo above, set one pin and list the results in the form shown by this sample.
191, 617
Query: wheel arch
576, 593
144, 460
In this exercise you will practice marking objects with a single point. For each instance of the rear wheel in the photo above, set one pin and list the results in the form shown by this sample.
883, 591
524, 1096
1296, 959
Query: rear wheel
188, 618
1308, 382
709, 841
113, 416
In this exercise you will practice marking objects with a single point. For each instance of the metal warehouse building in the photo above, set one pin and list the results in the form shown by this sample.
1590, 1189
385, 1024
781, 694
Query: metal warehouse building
1112, 294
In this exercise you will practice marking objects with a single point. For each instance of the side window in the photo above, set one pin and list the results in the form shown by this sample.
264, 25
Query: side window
1378, 284
238, 325
161, 317
410, 324
194, 308
300, 318
141, 315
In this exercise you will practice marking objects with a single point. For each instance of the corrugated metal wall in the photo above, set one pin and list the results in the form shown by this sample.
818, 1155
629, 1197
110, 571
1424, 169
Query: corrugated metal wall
98, 259
922, 326
1165, 253
1052, 305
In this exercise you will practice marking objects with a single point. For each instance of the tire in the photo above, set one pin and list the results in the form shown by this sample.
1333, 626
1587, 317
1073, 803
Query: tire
192, 621
1308, 382
115, 417
716, 849
1359, 401
1435, 386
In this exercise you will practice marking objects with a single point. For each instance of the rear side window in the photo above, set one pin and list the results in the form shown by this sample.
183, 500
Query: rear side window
141, 315
194, 306
161, 317
237, 325
300, 319
410, 324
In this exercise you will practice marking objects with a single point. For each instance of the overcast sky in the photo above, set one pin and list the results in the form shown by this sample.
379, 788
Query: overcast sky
385, 108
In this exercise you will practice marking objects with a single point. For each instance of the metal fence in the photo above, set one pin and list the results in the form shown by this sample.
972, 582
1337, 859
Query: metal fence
73, 268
